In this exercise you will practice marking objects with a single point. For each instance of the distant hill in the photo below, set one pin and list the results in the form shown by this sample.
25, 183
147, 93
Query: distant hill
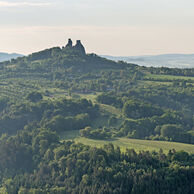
166, 60
7, 56
66, 57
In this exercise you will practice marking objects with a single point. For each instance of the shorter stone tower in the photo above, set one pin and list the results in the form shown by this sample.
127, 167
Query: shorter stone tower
69, 44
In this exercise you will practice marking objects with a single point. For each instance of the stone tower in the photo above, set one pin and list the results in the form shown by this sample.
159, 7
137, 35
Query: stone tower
79, 47
69, 44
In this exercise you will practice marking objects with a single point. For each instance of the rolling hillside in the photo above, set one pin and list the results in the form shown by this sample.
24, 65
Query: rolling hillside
134, 101
53, 96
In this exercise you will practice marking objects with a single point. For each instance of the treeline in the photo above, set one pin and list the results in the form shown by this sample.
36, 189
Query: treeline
150, 115
172, 71
59, 115
35, 161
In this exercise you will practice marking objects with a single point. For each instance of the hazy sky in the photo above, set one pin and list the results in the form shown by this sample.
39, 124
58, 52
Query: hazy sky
114, 27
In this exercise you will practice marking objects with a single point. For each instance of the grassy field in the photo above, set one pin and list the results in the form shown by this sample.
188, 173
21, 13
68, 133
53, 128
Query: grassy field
154, 83
138, 145
169, 77
124, 143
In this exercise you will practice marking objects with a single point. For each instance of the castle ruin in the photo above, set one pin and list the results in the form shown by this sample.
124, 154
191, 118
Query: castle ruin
78, 48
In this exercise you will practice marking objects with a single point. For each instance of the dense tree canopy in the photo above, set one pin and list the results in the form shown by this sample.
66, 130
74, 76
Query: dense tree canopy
39, 163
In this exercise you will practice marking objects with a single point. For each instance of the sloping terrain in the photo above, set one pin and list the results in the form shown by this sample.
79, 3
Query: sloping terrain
53, 96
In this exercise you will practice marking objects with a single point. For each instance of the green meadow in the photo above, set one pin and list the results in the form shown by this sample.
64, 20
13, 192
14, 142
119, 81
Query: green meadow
126, 143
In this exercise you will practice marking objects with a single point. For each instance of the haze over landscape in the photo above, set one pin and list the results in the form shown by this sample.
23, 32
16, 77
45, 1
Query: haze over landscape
165, 60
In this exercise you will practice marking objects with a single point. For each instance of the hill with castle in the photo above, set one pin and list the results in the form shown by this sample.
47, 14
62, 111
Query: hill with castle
73, 122
69, 55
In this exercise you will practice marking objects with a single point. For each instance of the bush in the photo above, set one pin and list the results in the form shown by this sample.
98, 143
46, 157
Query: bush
34, 96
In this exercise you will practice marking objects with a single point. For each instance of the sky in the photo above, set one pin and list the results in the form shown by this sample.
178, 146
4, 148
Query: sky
109, 27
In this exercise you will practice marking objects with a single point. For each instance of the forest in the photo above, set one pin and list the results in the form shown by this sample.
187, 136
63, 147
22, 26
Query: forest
57, 91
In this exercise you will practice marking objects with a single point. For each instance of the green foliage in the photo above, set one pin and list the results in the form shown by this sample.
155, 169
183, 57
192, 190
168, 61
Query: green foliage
181, 156
109, 99
134, 109
112, 121
171, 130
67, 167
59, 123
103, 133
3, 103
59, 115
34, 96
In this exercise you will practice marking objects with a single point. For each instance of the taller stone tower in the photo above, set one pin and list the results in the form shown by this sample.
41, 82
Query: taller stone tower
79, 47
